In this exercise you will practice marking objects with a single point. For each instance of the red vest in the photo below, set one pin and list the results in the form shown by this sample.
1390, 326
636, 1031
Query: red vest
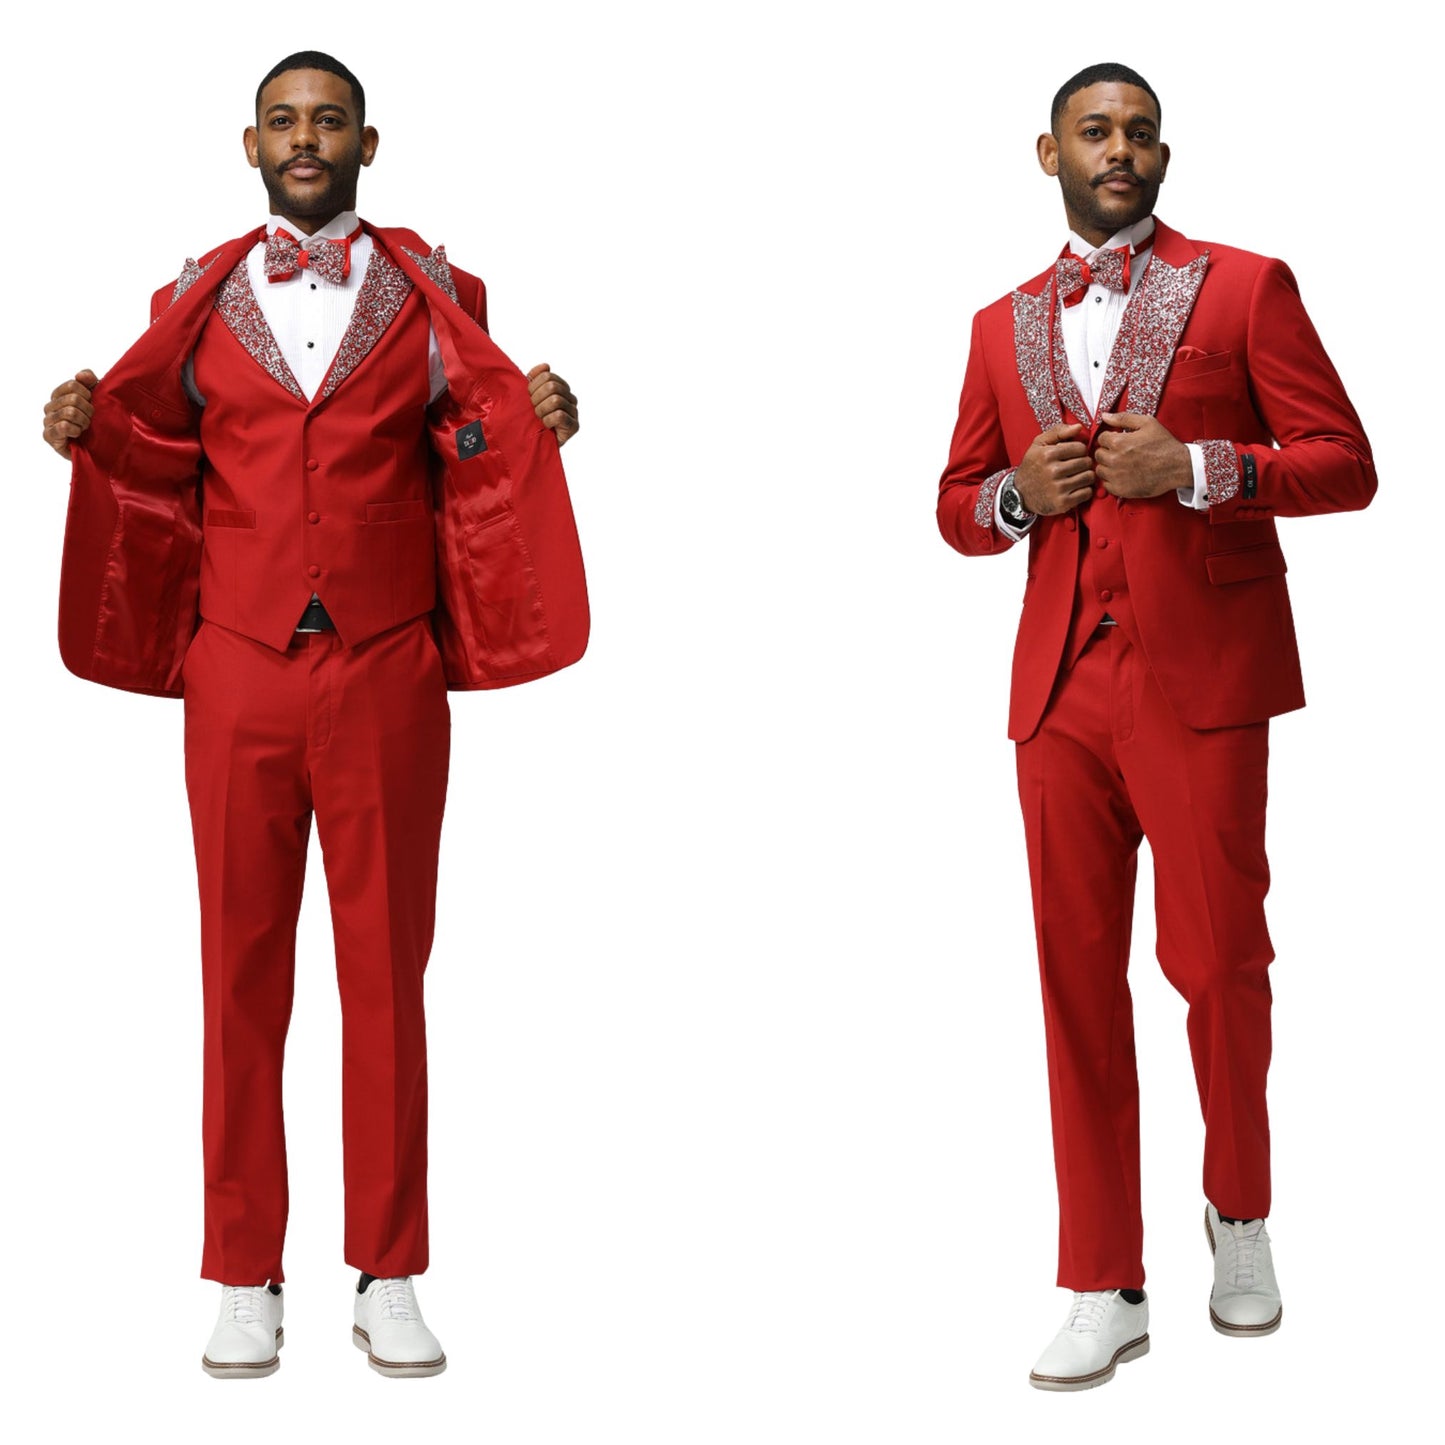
331, 496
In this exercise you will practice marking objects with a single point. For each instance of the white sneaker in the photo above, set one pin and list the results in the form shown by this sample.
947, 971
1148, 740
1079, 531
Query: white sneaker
389, 1327
1103, 1331
247, 1336
1245, 1298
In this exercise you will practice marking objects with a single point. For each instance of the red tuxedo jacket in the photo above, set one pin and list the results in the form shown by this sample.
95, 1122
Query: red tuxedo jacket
1215, 342
494, 528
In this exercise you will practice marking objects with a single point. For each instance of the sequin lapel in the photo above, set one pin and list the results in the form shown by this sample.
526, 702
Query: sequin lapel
191, 272
1033, 318
436, 268
237, 306
1149, 332
384, 289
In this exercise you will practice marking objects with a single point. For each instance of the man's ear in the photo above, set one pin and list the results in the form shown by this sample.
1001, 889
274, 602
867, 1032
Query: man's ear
1163, 161
252, 142
1048, 153
369, 142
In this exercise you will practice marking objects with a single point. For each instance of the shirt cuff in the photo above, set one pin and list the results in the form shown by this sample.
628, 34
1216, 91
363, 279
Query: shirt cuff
1014, 534
1196, 496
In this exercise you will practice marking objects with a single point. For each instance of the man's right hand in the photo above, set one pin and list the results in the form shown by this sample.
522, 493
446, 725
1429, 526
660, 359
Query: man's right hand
68, 412
1057, 473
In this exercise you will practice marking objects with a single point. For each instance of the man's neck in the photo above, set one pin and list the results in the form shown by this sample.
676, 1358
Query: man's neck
1136, 237
343, 223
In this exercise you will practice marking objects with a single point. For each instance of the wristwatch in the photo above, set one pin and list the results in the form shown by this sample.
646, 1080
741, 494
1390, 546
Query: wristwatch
1011, 505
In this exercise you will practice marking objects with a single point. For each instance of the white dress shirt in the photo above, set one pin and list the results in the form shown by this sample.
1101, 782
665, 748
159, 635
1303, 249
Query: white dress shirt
1089, 329
308, 315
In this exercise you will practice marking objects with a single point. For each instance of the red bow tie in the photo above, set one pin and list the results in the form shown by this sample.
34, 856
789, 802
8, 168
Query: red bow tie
1074, 275
329, 258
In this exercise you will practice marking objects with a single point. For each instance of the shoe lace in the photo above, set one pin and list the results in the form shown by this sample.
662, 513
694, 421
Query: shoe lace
397, 1299
1246, 1242
1087, 1311
243, 1303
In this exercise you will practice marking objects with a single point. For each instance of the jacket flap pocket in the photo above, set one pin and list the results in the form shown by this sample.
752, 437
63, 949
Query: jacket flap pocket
408, 511
1245, 564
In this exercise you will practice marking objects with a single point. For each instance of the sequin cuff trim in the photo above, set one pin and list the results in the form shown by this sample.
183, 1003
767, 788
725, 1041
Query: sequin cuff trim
1221, 471
983, 508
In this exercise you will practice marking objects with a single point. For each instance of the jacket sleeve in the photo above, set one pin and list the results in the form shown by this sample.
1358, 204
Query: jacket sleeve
978, 462
1322, 462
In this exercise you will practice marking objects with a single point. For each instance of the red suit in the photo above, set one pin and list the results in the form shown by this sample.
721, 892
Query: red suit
440, 540
1156, 727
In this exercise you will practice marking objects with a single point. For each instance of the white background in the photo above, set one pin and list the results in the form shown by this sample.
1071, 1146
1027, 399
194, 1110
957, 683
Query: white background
739, 1127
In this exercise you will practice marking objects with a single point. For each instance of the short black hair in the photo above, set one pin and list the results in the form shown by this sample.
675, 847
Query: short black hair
316, 60
1096, 75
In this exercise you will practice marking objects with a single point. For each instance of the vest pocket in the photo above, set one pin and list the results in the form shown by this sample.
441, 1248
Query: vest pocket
409, 511
219, 517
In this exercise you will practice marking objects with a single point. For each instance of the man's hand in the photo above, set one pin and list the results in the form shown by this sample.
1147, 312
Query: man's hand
1056, 474
68, 412
553, 401
1136, 456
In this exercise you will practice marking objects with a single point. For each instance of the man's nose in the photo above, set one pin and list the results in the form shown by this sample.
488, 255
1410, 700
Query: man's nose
1121, 150
303, 136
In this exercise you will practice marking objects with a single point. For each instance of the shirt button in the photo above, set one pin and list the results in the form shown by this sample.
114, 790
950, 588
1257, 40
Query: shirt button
1101, 541
311, 346
312, 464
1097, 299
1096, 366
313, 285
1104, 596
314, 571
313, 517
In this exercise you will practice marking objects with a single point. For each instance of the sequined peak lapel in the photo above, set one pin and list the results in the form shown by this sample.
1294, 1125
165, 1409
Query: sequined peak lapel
436, 269
1033, 318
237, 306
191, 272
384, 289
1149, 332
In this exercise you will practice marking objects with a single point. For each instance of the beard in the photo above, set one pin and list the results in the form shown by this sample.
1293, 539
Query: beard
1095, 211
318, 200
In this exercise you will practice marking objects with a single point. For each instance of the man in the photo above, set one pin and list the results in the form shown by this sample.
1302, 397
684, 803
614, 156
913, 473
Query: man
1141, 413
311, 498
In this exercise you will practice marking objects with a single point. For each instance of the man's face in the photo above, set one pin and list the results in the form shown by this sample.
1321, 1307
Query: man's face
308, 146
1108, 158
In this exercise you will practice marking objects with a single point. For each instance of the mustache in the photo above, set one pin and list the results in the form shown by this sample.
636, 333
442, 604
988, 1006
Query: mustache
314, 161
1117, 176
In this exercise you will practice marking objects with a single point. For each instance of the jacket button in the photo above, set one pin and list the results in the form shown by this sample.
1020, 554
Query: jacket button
313, 517
1101, 541
312, 464
314, 571
1104, 596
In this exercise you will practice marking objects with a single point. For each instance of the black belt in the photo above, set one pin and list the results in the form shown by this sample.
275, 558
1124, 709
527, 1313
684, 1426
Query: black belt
315, 618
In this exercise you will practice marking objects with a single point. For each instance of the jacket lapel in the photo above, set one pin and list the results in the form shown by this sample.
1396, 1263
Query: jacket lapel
384, 290
1033, 325
237, 306
1152, 324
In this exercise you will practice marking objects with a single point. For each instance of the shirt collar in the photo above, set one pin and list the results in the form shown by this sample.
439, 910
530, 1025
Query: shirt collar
1138, 237
335, 229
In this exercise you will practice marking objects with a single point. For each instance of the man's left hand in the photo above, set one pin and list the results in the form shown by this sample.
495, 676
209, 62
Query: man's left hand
553, 400
1136, 456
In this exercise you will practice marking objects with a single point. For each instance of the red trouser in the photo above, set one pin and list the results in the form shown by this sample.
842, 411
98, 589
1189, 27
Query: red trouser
1108, 765
360, 736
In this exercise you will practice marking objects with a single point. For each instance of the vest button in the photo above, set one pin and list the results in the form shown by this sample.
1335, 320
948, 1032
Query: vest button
1101, 541
1104, 596
313, 517
314, 571
312, 464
